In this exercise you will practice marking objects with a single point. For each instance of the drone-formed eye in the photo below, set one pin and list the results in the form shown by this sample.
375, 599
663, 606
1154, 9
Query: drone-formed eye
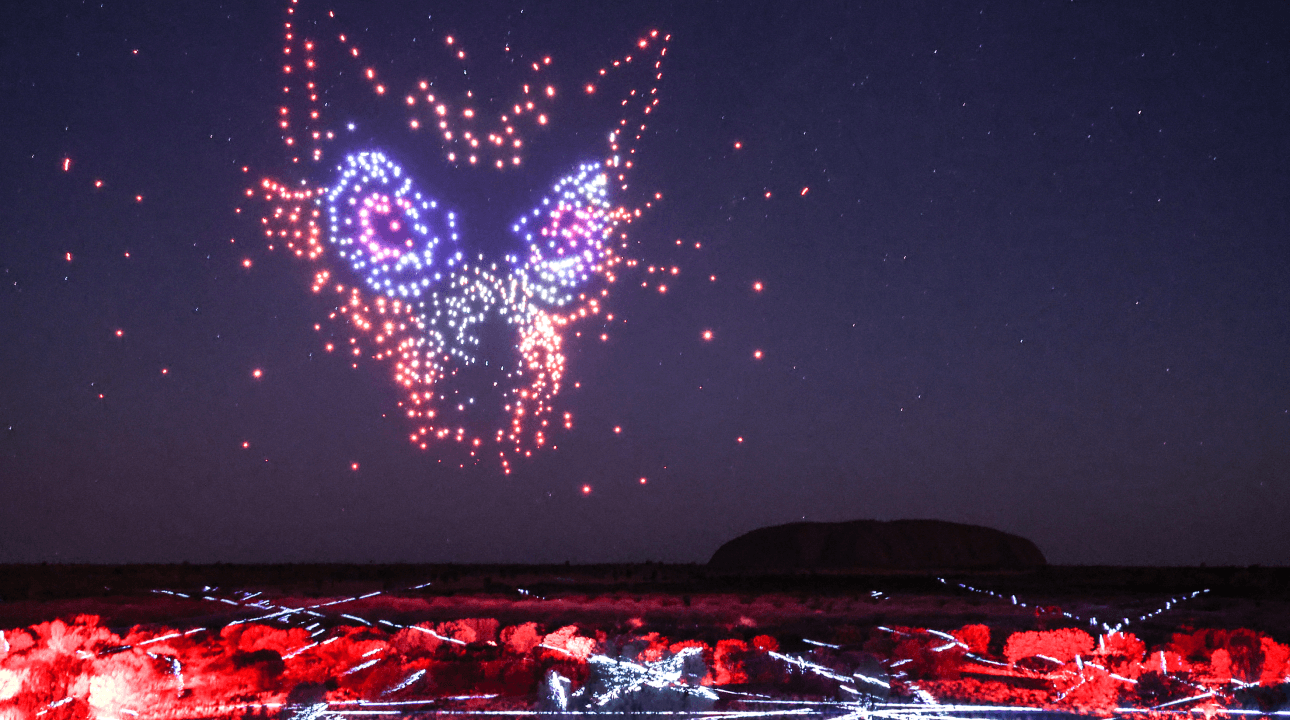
371, 207
397, 268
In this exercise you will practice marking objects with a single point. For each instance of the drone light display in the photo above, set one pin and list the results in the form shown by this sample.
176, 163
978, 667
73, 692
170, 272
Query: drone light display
398, 264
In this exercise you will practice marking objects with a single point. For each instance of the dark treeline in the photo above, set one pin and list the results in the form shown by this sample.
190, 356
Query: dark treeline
47, 581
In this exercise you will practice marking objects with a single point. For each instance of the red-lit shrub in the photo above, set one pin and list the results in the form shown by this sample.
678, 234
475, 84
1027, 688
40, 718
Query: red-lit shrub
1276, 662
414, 640
1090, 691
1121, 653
567, 642
1062, 645
976, 637
657, 648
470, 630
1245, 655
521, 639
765, 643
60, 670
728, 662
1246, 651
924, 657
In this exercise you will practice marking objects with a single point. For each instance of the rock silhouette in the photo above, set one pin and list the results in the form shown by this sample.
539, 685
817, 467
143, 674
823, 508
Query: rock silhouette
877, 545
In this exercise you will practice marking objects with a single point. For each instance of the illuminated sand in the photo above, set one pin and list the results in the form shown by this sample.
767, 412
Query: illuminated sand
607, 640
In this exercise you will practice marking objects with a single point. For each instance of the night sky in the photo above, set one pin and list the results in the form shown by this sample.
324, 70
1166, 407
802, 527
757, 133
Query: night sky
1024, 265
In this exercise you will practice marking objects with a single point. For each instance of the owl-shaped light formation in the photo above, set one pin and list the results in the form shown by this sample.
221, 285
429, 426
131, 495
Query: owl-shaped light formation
396, 260
405, 248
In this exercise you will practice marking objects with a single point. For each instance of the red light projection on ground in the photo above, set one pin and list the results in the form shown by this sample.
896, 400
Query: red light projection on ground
311, 660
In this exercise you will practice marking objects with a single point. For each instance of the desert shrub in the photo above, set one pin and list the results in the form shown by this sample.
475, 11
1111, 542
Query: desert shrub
570, 644
1092, 691
765, 643
1246, 652
1063, 644
925, 660
521, 639
1246, 655
976, 637
1276, 662
728, 662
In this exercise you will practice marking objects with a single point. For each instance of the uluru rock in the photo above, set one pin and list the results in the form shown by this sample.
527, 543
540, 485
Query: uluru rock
877, 545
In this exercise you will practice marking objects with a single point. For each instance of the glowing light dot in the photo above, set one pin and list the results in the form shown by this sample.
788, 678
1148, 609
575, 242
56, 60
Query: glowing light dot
257, 373
138, 198
757, 286
165, 371
246, 445
707, 334
805, 190
642, 481
586, 489
756, 354
738, 145
662, 288
739, 439
120, 333
353, 466
68, 256
617, 429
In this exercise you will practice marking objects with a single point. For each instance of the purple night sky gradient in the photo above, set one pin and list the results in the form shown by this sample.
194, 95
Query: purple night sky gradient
1040, 282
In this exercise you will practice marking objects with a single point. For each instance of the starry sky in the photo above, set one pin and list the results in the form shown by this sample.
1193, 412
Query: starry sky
1023, 265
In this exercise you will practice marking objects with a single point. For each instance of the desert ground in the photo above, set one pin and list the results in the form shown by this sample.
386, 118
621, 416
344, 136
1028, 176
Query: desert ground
412, 640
